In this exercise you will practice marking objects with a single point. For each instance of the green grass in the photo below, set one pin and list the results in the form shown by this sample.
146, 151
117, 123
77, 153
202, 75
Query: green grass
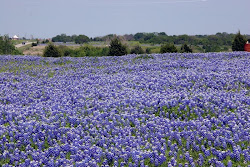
25, 47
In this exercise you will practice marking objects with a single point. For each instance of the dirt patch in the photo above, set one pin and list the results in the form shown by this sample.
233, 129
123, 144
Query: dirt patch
36, 50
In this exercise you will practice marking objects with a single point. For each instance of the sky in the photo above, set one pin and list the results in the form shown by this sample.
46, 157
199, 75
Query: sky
48, 18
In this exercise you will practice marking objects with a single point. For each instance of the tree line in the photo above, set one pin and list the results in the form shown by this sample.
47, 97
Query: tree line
156, 38
208, 43
117, 48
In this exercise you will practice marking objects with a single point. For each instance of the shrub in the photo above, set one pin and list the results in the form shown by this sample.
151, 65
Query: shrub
52, 51
148, 50
86, 50
238, 43
116, 48
137, 50
186, 49
168, 48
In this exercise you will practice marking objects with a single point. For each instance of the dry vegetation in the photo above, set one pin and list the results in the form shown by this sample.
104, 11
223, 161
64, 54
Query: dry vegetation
36, 50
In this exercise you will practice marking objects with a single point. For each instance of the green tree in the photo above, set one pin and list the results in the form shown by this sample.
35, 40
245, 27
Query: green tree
137, 50
116, 48
162, 33
168, 48
138, 36
82, 39
238, 43
6, 47
52, 51
186, 49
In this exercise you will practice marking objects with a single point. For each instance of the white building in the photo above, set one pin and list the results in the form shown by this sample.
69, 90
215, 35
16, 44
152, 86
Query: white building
15, 37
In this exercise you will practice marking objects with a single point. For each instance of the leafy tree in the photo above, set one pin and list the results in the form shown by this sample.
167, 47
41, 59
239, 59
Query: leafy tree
168, 48
6, 47
62, 38
186, 49
82, 39
139, 36
116, 48
238, 43
137, 50
52, 51
162, 33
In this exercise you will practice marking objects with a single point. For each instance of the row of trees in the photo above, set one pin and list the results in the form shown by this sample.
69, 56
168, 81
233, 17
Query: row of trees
157, 38
116, 48
80, 39
208, 43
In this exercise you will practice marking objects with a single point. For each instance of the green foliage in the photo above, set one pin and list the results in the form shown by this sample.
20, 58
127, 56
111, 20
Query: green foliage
63, 38
86, 50
168, 48
238, 43
45, 41
137, 50
148, 50
6, 46
52, 51
116, 48
186, 49
145, 57
200, 43
138, 36
82, 39
211, 48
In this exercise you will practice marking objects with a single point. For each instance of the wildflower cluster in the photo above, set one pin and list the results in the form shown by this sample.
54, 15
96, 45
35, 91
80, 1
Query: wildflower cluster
169, 110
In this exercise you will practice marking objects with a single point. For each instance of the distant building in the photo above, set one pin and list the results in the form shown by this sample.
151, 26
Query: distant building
15, 37
247, 47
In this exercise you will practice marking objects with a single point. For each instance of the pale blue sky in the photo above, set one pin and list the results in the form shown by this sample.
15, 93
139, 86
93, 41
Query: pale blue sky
48, 18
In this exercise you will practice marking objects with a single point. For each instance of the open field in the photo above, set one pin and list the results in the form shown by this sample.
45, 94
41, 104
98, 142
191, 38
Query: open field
148, 110
35, 50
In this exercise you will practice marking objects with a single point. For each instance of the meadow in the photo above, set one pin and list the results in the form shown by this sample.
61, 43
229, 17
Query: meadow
135, 110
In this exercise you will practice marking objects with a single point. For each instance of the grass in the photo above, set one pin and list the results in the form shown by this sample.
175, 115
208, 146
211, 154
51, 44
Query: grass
24, 48
16, 42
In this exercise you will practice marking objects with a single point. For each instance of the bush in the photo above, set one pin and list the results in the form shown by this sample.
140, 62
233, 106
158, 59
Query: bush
82, 51
116, 48
168, 48
148, 51
137, 50
238, 43
186, 49
52, 51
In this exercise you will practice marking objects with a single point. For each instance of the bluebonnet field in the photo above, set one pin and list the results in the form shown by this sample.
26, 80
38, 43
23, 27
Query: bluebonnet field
155, 110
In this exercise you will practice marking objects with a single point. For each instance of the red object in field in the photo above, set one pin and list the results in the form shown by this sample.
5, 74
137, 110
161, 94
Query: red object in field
247, 47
